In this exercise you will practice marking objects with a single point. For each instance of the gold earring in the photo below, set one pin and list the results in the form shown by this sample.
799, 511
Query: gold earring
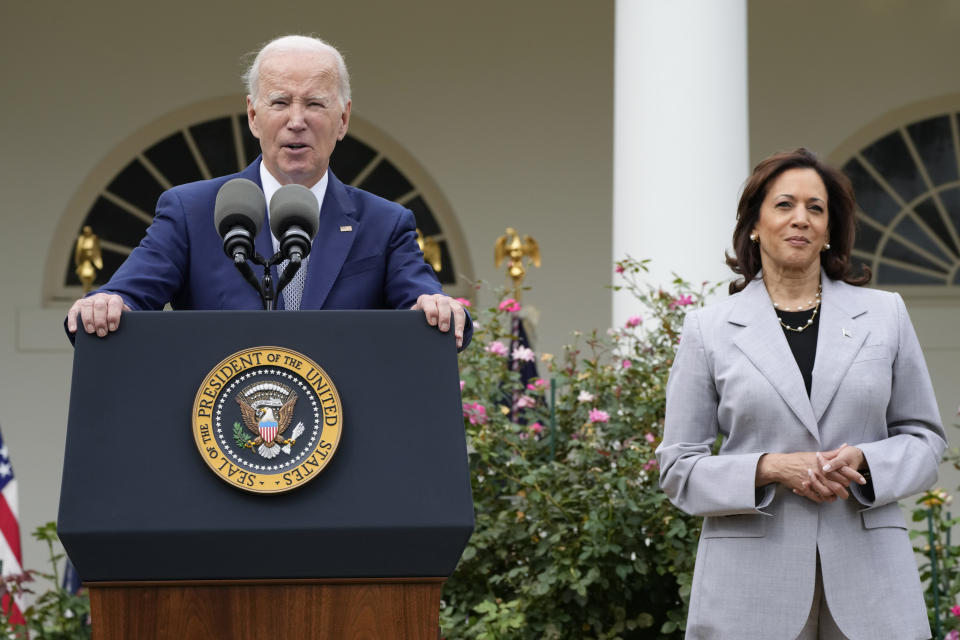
755, 237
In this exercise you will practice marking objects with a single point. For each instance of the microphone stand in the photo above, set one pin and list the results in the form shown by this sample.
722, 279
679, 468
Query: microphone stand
265, 286
240, 262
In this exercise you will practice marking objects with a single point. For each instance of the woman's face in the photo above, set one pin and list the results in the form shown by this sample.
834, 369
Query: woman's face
792, 226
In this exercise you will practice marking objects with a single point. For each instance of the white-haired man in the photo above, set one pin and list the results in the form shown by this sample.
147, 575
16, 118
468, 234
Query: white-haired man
365, 255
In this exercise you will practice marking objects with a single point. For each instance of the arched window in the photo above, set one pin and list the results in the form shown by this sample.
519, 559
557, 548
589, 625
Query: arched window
906, 174
212, 139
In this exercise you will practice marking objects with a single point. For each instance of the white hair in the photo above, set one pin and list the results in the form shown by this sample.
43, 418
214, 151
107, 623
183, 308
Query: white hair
251, 77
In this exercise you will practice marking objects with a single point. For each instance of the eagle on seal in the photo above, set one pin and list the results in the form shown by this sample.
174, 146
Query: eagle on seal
267, 416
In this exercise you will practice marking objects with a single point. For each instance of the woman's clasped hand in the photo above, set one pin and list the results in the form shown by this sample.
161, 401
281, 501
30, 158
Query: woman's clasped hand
821, 476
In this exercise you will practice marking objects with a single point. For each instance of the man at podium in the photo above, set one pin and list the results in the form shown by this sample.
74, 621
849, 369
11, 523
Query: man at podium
364, 255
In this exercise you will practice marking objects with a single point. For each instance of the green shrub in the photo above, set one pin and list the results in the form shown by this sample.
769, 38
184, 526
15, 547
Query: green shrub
574, 538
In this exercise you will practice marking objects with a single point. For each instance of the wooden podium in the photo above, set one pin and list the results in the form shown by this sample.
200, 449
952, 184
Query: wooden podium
169, 550
208, 609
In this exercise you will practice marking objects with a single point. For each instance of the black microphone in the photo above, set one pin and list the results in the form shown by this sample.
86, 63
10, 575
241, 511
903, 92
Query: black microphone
238, 214
294, 218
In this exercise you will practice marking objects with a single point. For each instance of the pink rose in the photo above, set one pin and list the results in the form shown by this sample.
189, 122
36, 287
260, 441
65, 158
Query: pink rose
598, 415
497, 348
634, 321
682, 301
525, 402
537, 384
649, 437
619, 268
524, 354
475, 412
510, 305
651, 464
463, 301
537, 428
626, 364
462, 385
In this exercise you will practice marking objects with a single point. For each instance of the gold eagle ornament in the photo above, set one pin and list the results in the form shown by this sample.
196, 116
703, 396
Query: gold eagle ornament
431, 250
510, 247
267, 410
87, 258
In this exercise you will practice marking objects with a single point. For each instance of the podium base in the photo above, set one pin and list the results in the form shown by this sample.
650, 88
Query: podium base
348, 609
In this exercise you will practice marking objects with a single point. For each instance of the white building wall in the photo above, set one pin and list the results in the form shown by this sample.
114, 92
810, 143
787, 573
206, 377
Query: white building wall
820, 70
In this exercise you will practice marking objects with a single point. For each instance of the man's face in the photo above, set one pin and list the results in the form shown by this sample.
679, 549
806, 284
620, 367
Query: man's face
297, 115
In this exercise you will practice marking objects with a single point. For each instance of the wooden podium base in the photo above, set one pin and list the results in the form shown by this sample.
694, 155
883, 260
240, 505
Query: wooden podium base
401, 609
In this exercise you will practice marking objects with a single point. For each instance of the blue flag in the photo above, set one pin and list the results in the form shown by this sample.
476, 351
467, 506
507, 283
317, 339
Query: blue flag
71, 579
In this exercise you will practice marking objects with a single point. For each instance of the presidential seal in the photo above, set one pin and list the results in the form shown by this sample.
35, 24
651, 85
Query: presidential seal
267, 419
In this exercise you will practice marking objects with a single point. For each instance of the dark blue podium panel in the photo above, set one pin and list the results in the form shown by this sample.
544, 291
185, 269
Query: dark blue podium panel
139, 503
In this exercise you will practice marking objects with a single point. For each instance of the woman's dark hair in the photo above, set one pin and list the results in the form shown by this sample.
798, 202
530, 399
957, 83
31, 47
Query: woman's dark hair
840, 226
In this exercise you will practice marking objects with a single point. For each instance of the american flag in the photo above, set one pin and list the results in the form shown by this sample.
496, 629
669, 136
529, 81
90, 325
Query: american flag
10, 553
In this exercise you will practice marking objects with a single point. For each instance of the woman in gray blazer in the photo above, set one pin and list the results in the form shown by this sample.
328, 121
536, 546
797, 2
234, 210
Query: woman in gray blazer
820, 393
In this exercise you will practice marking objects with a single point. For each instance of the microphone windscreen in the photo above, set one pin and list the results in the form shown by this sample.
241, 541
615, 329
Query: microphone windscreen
239, 202
294, 204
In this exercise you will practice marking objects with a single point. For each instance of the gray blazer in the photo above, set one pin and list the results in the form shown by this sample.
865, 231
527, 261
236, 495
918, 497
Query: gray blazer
734, 375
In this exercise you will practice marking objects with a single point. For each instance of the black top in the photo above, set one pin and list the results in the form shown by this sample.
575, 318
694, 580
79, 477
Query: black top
803, 344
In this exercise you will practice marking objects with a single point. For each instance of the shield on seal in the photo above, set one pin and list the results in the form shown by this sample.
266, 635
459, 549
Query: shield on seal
268, 430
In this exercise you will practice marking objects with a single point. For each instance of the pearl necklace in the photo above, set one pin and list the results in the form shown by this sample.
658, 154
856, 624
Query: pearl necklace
816, 307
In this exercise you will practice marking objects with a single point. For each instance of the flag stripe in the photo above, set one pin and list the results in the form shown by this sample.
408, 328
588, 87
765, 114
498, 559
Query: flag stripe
16, 617
10, 528
10, 493
9, 534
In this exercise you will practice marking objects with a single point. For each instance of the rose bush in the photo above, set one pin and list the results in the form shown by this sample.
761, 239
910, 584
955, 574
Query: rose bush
574, 538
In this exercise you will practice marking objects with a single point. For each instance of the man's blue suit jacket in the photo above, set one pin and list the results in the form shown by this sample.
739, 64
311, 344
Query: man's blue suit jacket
365, 255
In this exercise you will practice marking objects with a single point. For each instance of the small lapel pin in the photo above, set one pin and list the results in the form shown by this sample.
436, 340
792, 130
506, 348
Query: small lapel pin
846, 334
346, 227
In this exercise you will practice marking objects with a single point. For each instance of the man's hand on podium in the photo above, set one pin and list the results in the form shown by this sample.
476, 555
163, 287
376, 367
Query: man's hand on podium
99, 313
437, 308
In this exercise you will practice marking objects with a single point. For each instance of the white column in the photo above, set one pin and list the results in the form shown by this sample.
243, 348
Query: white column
680, 136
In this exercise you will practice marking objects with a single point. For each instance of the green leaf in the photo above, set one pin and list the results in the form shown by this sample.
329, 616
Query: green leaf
46, 532
240, 435
486, 607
